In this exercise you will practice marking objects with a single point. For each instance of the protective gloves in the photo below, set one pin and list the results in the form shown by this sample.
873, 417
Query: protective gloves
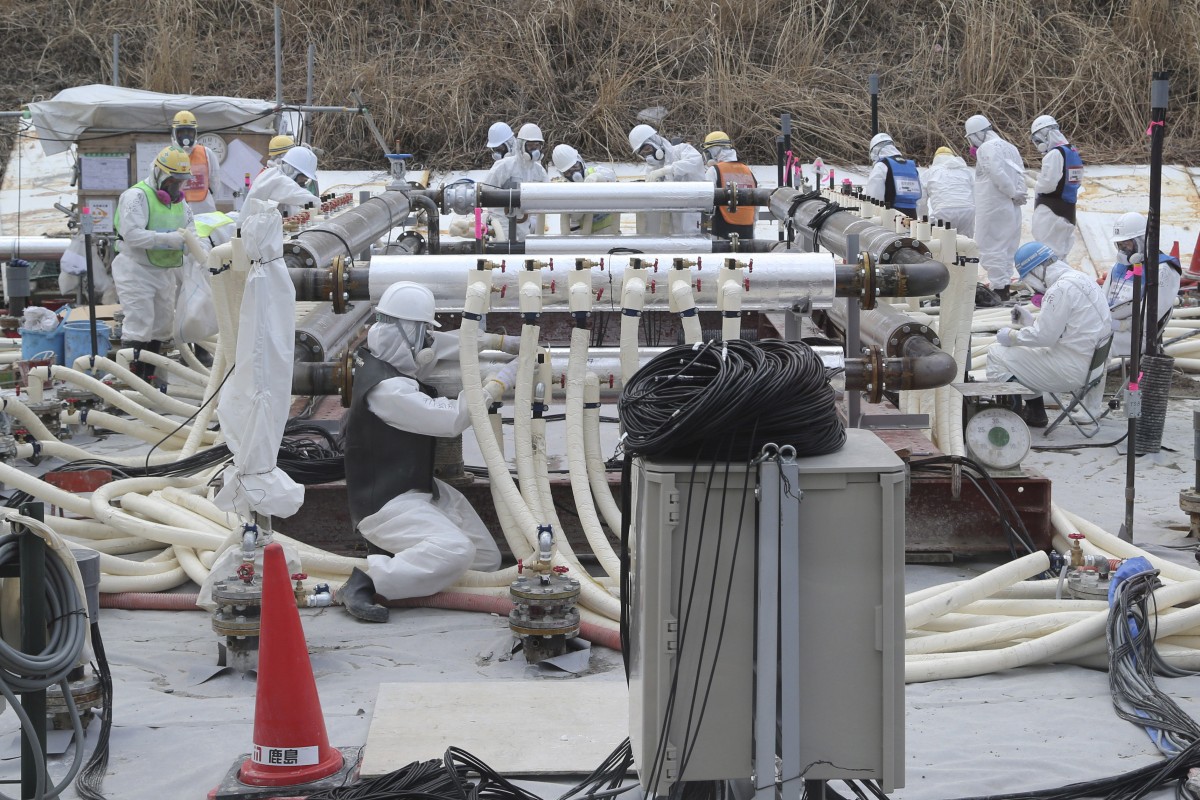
1006, 337
502, 380
501, 342
1119, 325
168, 240
462, 227
1022, 316
660, 174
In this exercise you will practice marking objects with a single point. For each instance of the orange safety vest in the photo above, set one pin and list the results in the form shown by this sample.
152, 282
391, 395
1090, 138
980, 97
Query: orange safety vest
739, 174
196, 189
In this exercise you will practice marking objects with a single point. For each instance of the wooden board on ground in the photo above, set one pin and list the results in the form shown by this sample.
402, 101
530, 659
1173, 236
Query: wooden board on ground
102, 312
550, 727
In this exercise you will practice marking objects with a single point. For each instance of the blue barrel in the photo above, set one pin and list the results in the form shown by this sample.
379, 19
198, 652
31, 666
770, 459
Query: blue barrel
34, 344
78, 338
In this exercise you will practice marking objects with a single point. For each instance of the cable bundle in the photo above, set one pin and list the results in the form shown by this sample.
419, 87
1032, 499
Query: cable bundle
693, 399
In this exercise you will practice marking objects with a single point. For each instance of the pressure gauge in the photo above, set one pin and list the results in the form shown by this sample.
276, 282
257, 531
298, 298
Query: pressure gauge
214, 143
997, 438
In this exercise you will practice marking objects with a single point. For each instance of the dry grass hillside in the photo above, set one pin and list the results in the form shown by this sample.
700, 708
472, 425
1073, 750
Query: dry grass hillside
436, 74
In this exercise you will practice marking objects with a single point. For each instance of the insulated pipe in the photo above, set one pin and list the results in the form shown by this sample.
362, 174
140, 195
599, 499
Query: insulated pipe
24, 415
152, 396
33, 248
597, 474
996, 632
322, 334
161, 363
683, 302
110, 584
975, 589
207, 408
1066, 522
609, 244
347, 233
633, 300
125, 426
103, 510
570, 198
523, 401
919, 274
730, 292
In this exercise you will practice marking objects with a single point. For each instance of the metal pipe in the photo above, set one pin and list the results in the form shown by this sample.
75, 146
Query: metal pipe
884, 327
323, 334
433, 227
571, 198
278, 55
918, 274
310, 70
116, 60
33, 248
1158, 119
347, 233
873, 88
611, 244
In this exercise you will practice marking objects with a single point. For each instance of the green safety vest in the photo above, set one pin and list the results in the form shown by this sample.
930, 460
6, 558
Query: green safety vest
162, 218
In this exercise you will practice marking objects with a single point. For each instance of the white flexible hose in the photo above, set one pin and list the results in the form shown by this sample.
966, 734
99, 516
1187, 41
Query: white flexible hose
975, 589
597, 474
523, 419
633, 299
731, 315
581, 488
685, 302
102, 510
161, 363
151, 395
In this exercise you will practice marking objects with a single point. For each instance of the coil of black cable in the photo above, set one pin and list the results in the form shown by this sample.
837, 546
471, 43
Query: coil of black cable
692, 400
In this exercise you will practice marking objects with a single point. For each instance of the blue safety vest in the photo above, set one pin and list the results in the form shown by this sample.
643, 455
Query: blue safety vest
1072, 177
903, 185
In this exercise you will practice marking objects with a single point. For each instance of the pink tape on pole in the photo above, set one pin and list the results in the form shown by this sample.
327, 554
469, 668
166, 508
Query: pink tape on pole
1158, 123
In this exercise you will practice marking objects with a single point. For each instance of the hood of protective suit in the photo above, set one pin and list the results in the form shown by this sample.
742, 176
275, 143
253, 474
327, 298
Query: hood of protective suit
1053, 272
385, 341
1054, 139
949, 161
725, 154
273, 186
888, 150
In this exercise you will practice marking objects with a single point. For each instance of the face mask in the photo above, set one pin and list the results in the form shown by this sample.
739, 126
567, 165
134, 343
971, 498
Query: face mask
973, 150
185, 137
499, 152
1036, 300
575, 175
535, 156
165, 198
1036, 282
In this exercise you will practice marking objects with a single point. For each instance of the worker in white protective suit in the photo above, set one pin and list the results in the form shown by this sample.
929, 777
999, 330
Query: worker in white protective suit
525, 166
278, 145
573, 169
391, 431
894, 181
999, 194
668, 162
1053, 351
1129, 237
725, 170
501, 142
948, 192
1057, 186
150, 218
256, 399
200, 190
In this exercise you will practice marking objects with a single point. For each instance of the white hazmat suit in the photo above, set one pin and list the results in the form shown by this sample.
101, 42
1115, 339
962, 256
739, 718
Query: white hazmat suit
1047, 226
674, 163
876, 185
1053, 353
949, 193
508, 173
999, 194
1118, 290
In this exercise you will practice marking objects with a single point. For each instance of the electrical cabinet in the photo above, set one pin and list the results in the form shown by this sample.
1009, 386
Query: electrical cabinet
694, 529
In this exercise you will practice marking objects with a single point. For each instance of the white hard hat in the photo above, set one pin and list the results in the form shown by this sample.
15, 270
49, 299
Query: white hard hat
410, 301
530, 133
498, 134
302, 160
639, 135
880, 138
1042, 122
977, 124
564, 157
1130, 225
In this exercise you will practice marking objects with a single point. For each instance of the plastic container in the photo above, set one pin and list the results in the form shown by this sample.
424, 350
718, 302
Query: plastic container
78, 339
34, 344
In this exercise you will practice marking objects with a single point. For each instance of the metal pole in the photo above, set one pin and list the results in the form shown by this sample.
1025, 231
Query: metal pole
1158, 117
853, 338
88, 226
1133, 403
766, 645
278, 55
779, 156
785, 127
310, 70
32, 552
873, 88
116, 60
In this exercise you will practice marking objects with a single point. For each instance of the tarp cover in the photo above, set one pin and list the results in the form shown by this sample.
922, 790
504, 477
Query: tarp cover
60, 120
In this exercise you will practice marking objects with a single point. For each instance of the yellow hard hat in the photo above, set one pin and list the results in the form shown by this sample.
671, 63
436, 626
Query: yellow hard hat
943, 151
717, 139
184, 118
279, 145
174, 161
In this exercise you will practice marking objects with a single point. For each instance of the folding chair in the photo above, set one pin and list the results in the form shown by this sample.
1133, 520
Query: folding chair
1095, 375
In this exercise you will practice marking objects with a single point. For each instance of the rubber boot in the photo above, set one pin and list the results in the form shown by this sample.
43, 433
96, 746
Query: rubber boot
358, 596
135, 366
1004, 293
1035, 412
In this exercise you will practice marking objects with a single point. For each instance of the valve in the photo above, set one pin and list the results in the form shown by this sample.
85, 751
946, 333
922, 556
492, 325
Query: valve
245, 572
561, 570
1076, 550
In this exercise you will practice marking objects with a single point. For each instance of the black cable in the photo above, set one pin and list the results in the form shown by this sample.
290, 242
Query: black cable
195, 414
1080, 446
91, 777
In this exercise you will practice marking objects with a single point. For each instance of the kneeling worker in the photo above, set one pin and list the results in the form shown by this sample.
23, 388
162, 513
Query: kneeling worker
391, 431
1053, 352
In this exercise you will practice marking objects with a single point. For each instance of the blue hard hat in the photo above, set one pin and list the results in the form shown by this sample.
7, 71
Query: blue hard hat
1031, 255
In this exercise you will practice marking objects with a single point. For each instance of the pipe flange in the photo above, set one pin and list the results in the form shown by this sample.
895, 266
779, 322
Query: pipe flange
902, 243
1189, 500
338, 276
874, 387
559, 589
565, 624
343, 378
869, 281
237, 593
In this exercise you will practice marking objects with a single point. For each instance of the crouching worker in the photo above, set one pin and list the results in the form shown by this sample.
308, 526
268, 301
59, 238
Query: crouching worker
391, 430
1053, 352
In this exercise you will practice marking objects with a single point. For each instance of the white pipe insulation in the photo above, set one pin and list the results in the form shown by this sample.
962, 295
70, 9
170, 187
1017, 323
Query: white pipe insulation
597, 474
573, 198
633, 300
563, 245
771, 280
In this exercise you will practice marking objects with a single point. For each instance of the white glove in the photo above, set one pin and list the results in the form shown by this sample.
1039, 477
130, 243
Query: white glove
660, 174
1006, 337
1022, 200
462, 227
502, 380
501, 342
1118, 325
1022, 316
169, 240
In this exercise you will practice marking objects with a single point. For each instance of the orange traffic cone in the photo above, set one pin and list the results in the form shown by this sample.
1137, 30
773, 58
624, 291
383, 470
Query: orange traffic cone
290, 744
1175, 250
1193, 270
